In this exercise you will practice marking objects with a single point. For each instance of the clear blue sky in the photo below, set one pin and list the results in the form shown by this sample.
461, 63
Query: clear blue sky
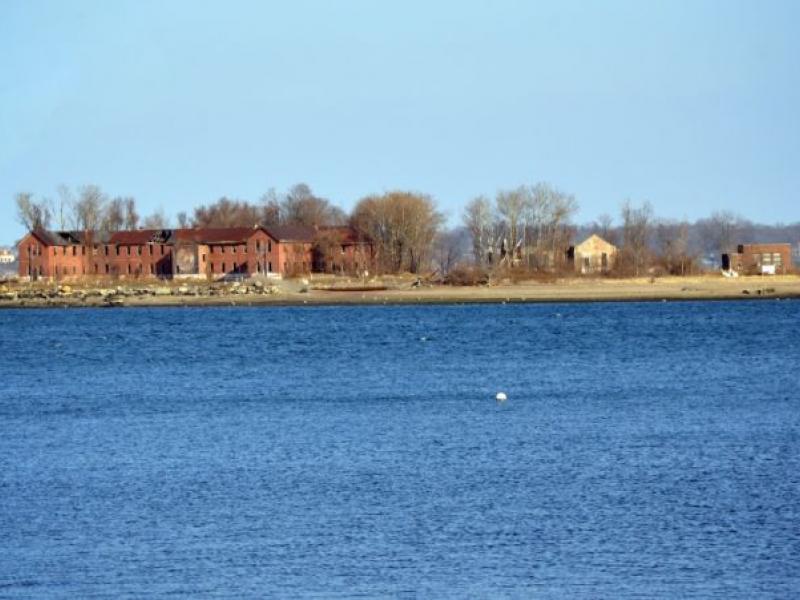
691, 105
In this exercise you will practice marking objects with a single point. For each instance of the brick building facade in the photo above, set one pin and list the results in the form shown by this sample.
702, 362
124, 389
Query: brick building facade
170, 253
759, 259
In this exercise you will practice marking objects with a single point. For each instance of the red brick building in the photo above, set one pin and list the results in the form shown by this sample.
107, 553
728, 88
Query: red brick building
170, 253
759, 259
342, 250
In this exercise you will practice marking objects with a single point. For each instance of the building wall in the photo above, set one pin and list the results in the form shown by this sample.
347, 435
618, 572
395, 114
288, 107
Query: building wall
753, 258
594, 255
347, 257
294, 258
259, 254
34, 257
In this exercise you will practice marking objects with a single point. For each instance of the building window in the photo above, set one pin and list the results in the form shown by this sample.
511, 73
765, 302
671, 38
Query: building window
162, 249
128, 250
107, 269
152, 270
129, 269
117, 248
269, 267
139, 250
106, 250
777, 258
269, 245
223, 267
63, 250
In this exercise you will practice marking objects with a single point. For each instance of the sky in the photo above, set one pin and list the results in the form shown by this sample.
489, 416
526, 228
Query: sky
691, 105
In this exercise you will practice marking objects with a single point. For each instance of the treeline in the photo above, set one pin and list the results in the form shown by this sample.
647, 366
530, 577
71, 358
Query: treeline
526, 229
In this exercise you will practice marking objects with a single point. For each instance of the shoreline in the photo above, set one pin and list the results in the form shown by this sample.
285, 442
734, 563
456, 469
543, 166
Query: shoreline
565, 291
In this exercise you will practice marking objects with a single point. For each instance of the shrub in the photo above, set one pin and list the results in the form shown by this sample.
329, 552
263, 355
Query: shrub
466, 275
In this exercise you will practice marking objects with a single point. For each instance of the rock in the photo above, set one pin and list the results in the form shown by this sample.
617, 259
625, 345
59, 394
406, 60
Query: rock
181, 291
65, 289
162, 291
8, 296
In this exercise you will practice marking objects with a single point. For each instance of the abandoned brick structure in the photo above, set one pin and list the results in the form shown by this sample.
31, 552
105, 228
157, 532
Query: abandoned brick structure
759, 259
201, 252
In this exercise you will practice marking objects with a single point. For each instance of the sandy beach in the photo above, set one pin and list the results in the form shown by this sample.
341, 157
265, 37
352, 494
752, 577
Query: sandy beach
402, 292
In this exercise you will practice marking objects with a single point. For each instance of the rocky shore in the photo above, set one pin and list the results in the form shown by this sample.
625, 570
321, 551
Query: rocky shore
391, 291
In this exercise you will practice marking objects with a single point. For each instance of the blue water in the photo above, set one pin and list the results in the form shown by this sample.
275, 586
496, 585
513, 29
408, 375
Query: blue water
646, 450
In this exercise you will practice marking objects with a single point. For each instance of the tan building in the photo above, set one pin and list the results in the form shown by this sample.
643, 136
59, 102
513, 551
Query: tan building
593, 255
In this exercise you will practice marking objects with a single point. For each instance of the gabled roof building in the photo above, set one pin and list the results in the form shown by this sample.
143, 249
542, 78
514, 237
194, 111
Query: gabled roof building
169, 253
593, 255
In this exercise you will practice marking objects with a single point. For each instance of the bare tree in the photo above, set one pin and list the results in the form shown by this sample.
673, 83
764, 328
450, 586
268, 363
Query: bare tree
403, 226
114, 215
227, 213
548, 228
449, 248
157, 220
604, 227
722, 231
63, 206
131, 214
301, 207
480, 221
89, 208
270, 208
673, 245
183, 220
535, 224
512, 206
30, 213
635, 233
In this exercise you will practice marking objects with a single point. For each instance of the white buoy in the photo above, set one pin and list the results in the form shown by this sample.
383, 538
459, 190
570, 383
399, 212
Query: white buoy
501, 397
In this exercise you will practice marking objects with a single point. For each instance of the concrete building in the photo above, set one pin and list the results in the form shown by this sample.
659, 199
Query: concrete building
592, 256
213, 253
759, 259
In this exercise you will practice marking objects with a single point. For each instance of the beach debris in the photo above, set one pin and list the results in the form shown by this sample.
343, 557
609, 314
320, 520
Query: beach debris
501, 397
